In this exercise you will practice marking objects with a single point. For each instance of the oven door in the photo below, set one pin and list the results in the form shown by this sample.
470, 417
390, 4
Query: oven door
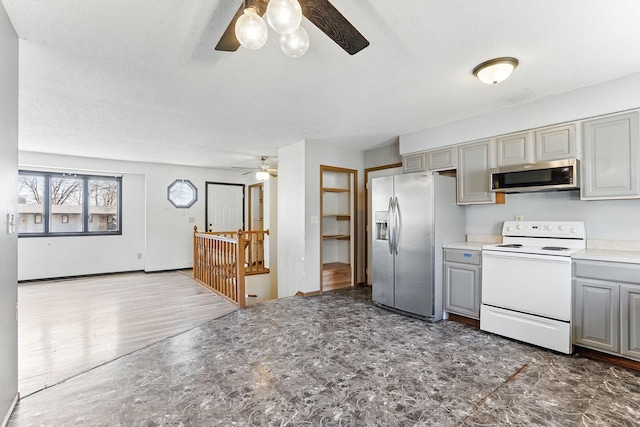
528, 283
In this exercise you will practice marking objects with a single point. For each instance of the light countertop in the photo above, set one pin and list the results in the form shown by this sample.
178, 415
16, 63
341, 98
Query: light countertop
607, 255
466, 246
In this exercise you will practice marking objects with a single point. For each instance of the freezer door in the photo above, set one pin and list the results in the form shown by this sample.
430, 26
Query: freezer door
382, 265
414, 245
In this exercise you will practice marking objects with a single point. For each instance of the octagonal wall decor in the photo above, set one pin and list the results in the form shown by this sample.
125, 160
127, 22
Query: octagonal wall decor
182, 193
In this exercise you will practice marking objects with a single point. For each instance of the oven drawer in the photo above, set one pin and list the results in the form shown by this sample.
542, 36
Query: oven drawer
547, 333
534, 284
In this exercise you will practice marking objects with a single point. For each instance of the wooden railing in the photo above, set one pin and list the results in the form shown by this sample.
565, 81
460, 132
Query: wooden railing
254, 248
218, 263
222, 259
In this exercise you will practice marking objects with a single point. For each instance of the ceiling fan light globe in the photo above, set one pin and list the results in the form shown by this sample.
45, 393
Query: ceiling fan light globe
284, 16
295, 44
262, 175
251, 30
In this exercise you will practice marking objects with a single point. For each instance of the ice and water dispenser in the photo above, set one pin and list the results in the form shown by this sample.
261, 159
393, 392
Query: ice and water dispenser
382, 225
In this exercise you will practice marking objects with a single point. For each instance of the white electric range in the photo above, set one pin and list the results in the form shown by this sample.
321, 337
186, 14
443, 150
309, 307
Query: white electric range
526, 282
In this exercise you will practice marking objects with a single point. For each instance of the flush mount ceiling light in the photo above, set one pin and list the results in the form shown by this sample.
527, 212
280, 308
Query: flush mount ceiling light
284, 16
495, 70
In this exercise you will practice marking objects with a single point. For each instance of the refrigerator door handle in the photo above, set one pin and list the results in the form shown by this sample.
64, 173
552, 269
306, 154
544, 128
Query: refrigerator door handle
390, 226
397, 224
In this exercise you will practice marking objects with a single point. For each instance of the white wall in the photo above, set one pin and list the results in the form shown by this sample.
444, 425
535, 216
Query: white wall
271, 223
608, 97
607, 219
383, 156
47, 257
291, 219
604, 219
317, 154
152, 226
8, 206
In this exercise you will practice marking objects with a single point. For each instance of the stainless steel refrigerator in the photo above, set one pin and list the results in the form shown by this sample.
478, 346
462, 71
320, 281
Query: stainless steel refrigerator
414, 214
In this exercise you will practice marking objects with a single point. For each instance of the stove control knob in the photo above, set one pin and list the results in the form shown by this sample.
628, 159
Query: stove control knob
520, 227
562, 227
574, 229
509, 228
549, 227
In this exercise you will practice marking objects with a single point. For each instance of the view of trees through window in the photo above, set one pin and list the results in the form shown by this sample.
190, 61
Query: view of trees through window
68, 204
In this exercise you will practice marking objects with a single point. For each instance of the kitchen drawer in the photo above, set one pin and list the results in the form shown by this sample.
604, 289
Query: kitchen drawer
613, 272
463, 257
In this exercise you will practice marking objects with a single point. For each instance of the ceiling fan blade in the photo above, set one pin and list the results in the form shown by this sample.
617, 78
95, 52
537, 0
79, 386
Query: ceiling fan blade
331, 22
228, 42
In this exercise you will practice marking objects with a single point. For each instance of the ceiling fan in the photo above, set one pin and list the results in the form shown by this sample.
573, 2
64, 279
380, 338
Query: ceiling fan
320, 12
264, 171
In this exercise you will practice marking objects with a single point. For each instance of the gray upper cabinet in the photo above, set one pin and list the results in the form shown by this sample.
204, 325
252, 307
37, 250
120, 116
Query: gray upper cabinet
514, 149
555, 143
442, 159
611, 158
414, 163
474, 161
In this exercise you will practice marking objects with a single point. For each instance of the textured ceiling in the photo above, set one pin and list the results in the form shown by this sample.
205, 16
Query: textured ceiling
140, 80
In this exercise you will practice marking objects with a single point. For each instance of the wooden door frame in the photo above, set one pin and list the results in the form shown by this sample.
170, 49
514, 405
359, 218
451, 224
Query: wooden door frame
206, 203
367, 226
249, 188
354, 217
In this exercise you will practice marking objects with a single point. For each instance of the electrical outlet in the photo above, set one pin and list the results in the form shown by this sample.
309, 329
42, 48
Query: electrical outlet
518, 217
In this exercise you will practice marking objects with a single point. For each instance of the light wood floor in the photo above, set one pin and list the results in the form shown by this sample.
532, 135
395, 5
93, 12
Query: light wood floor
70, 326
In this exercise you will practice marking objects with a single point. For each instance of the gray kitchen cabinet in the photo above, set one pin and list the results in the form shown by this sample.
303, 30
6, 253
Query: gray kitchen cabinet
414, 163
442, 159
462, 285
596, 319
514, 149
474, 161
611, 158
630, 321
555, 143
607, 307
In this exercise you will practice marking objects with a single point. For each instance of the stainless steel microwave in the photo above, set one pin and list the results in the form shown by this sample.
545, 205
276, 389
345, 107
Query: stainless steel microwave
548, 176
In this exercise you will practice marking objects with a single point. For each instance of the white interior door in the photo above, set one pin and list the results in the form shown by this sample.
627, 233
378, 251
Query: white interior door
225, 207
370, 176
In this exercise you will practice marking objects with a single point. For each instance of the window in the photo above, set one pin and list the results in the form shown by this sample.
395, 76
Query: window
182, 193
51, 204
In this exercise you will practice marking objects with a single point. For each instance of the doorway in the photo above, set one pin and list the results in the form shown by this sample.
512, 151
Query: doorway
224, 208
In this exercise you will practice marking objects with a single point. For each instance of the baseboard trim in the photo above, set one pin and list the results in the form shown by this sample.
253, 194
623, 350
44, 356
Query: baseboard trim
608, 358
465, 320
5, 421
308, 294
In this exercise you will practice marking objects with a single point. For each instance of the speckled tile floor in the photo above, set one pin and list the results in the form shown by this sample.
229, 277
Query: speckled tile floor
336, 359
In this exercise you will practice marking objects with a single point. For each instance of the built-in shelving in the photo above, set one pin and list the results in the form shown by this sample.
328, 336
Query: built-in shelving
337, 203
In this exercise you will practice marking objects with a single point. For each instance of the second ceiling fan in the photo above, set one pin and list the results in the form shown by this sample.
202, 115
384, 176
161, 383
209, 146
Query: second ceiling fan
320, 12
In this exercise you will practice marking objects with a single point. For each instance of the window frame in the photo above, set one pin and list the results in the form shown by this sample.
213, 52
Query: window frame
86, 208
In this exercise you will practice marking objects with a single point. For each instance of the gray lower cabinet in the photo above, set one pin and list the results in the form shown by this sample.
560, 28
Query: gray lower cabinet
630, 321
596, 318
462, 282
607, 307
